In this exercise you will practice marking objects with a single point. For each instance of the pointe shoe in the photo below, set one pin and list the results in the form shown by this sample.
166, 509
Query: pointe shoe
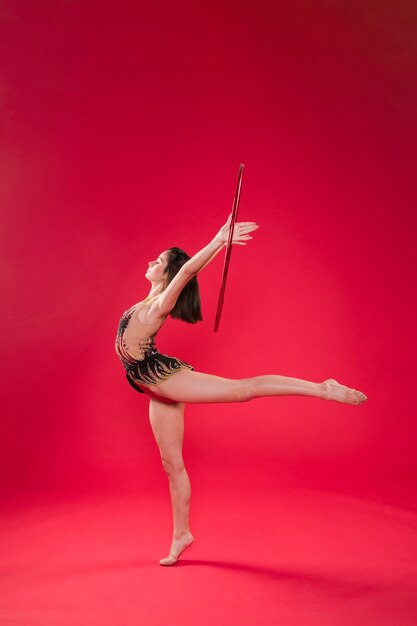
171, 559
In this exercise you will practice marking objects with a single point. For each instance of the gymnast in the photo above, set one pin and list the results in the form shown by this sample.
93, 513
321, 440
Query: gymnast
175, 292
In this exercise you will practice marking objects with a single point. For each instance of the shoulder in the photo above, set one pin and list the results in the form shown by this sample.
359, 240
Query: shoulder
150, 313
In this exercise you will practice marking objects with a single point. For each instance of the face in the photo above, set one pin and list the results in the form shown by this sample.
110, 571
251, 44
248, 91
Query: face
155, 271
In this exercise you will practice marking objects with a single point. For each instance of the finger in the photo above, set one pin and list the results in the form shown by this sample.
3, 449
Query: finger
248, 229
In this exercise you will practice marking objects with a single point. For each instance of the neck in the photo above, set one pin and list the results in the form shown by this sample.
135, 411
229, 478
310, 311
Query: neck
155, 291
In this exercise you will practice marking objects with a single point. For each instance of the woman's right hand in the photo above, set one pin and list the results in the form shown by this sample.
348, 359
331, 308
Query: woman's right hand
240, 232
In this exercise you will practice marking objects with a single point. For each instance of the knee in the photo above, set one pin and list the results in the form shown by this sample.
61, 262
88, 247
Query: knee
172, 466
246, 390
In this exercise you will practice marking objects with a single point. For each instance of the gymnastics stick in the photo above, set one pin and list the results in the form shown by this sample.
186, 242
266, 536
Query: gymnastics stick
229, 247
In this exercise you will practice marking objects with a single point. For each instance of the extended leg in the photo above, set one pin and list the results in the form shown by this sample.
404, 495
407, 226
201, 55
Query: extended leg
167, 421
196, 387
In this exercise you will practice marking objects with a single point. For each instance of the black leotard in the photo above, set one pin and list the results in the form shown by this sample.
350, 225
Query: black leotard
152, 367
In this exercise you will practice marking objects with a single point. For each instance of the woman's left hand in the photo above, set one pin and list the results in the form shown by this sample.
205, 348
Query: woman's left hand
240, 232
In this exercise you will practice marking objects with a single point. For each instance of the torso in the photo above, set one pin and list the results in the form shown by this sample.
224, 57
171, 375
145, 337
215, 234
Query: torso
143, 321
142, 326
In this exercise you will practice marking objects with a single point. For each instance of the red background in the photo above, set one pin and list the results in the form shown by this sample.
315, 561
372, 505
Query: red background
122, 127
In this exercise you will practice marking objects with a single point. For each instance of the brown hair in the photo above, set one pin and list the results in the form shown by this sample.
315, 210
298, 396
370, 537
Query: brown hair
188, 305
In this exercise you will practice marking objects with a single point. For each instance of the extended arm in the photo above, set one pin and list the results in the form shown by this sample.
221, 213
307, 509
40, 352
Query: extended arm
168, 298
213, 255
207, 254
202, 258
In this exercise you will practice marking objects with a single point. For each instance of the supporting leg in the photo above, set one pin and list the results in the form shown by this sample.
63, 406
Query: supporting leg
167, 423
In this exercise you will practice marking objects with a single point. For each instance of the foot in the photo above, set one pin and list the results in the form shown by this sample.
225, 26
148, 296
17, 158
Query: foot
177, 547
335, 391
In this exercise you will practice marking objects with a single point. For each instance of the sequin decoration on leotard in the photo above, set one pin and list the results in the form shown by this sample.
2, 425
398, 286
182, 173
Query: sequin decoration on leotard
152, 367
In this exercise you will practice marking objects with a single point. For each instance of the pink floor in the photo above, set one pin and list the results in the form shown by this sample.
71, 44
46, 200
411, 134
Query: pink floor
291, 556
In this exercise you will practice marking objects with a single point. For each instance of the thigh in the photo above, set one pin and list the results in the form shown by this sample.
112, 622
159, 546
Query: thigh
196, 387
167, 422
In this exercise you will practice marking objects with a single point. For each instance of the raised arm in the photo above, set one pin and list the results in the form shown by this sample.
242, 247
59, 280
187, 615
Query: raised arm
207, 254
202, 258
193, 266
212, 256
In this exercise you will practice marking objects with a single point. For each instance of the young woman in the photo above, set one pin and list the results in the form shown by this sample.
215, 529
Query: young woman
174, 291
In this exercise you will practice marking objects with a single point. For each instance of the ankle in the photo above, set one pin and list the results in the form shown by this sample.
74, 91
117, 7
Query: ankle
181, 534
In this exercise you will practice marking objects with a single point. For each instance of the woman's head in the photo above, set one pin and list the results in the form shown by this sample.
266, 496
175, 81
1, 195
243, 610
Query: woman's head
163, 269
155, 271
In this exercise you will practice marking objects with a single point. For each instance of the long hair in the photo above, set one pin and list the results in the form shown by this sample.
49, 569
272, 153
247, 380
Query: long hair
188, 305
